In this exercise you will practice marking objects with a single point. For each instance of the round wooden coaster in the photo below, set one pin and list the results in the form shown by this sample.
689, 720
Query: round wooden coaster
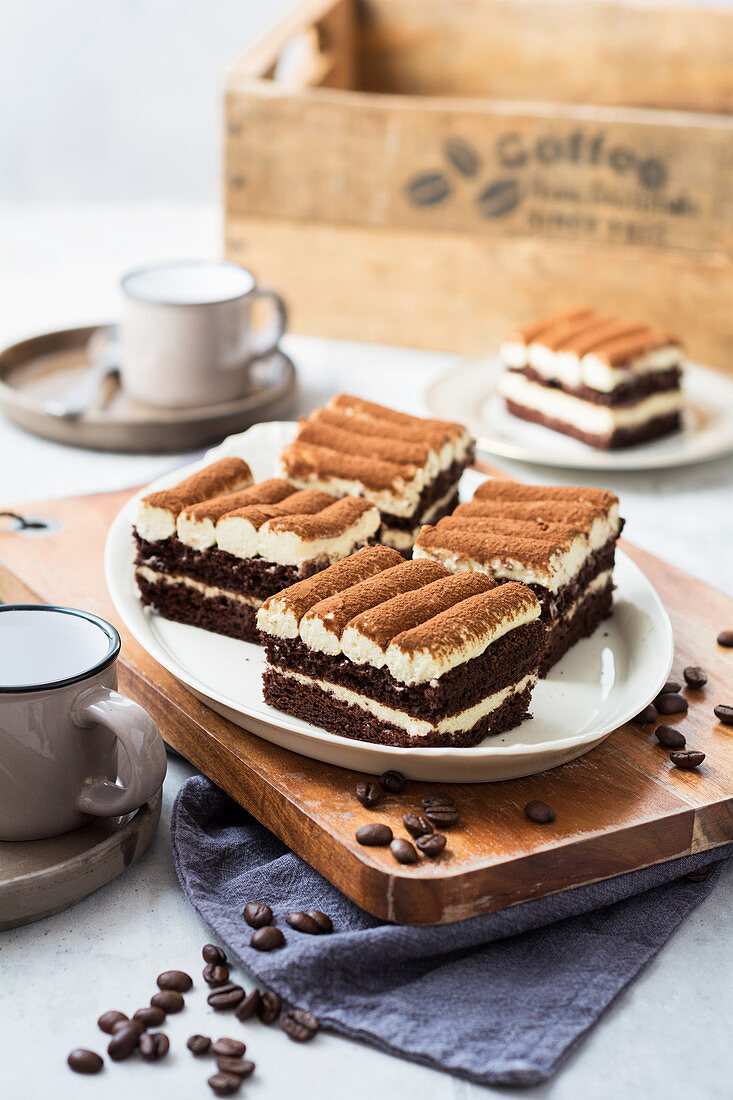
41, 877
42, 368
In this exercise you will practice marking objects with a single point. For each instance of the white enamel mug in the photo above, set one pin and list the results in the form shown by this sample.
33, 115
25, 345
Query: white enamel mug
187, 335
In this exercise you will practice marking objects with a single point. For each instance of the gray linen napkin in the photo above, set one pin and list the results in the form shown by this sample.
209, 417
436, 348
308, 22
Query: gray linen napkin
497, 999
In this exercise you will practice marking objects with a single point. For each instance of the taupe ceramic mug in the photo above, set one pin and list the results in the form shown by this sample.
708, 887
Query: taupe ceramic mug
62, 723
187, 337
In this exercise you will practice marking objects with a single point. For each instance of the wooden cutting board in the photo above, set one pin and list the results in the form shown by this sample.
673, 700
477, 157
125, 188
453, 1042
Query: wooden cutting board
621, 807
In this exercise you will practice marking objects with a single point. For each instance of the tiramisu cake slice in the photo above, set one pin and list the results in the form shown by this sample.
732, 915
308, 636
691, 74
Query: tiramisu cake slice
407, 466
608, 382
402, 653
560, 541
212, 549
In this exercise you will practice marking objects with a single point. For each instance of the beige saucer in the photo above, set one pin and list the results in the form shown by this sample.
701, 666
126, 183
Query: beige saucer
41, 877
43, 367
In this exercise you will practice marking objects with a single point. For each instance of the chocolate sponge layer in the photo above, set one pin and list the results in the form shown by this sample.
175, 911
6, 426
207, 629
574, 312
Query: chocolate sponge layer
185, 605
309, 702
505, 662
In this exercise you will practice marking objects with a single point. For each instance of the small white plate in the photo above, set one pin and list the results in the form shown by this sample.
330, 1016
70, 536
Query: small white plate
600, 684
468, 393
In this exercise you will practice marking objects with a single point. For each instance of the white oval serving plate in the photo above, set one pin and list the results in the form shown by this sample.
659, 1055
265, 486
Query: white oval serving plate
468, 393
600, 684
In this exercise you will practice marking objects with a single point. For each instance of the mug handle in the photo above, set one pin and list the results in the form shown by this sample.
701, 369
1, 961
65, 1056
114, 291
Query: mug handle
266, 341
143, 745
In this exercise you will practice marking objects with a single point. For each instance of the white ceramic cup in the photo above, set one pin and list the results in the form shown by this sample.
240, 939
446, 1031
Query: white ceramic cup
187, 335
62, 722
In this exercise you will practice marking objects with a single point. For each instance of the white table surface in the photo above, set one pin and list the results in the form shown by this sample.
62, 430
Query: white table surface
666, 1037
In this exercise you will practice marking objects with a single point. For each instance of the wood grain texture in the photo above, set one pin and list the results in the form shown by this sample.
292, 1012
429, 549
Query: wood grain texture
620, 807
478, 131
562, 50
458, 292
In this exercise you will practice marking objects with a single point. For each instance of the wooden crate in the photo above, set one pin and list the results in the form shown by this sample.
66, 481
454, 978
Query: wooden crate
430, 172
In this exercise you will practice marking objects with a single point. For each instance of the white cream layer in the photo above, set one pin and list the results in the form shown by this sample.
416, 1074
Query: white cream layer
424, 665
237, 536
589, 369
415, 727
401, 498
563, 564
400, 539
593, 586
584, 415
153, 523
210, 591
278, 619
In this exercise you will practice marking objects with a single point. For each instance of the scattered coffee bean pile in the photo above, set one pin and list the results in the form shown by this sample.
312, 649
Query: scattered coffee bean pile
670, 701
266, 937
128, 1035
438, 809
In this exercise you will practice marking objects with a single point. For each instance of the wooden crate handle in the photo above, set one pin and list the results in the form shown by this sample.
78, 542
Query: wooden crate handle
302, 61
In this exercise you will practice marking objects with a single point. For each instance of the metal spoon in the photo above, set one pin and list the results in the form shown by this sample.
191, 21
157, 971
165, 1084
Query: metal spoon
103, 354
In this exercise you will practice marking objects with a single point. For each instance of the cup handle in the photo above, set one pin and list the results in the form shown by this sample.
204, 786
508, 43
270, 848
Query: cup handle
143, 745
266, 341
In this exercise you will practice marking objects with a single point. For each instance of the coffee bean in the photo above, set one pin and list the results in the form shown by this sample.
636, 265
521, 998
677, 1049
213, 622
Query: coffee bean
368, 794
374, 836
149, 1016
323, 921
649, 714
695, 677
724, 714
257, 914
671, 704
669, 737
153, 1046
700, 874
240, 1067
499, 198
725, 638
392, 782
431, 845
417, 825
199, 1044
461, 156
170, 1000
214, 955
225, 997
670, 688
443, 816
437, 800
299, 1024
108, 1020
175, 979
403, 851
268, 938
247, 1008
130, 1023
687, 758
85, 1061
269, 1006
213, 974
224, 1084
123, 1042
539, 812
428, 188
230, 1048
302, 922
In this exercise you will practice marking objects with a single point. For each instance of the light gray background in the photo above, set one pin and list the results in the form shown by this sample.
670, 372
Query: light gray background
121, 99
118, 99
